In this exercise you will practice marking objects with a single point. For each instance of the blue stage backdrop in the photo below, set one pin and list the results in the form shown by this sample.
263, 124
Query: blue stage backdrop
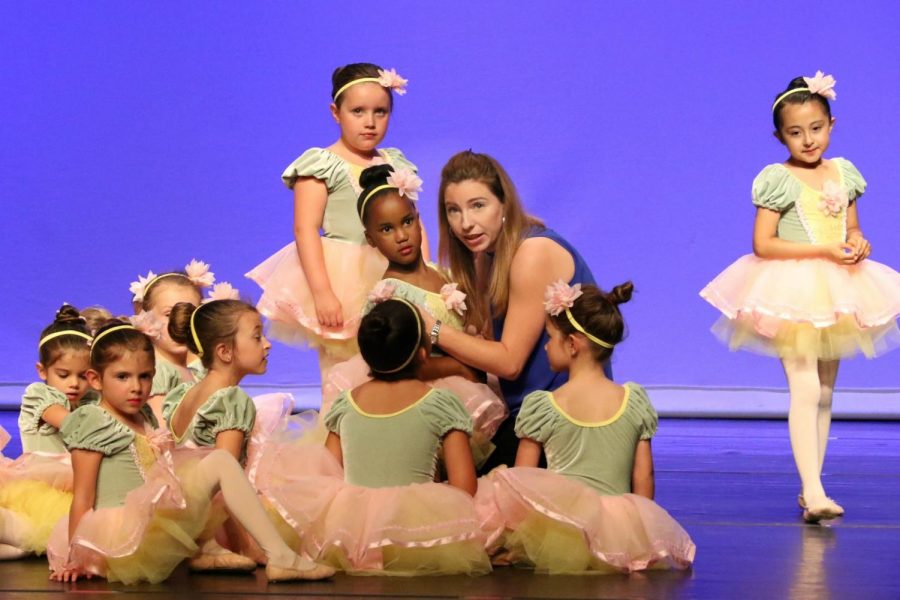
137, 136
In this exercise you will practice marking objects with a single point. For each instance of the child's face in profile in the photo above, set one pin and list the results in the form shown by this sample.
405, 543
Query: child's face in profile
392, 226
251, 348
68, 374
557, 354
125, 383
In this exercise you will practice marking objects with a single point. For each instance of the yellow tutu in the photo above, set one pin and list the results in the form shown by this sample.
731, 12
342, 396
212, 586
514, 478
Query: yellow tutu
41, 504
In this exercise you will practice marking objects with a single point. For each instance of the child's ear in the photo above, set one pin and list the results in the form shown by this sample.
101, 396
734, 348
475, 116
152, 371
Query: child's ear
334, 112
95, 380
831, 125
41, 371
778, 136
224, 352
573, 344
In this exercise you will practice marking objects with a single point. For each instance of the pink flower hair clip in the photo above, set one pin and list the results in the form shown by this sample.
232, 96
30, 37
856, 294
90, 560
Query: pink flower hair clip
199, 274
822, 85
383, 291
222, 291
147, 323
454, 299
391, 79
834, 199
408, 183
138, 287
560, 296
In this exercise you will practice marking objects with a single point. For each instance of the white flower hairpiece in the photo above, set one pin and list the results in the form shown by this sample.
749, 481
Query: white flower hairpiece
559, 296
137, 287
199, 274
822, 85
454, 299
222, 291
407, 183
391, 79
383, 291
147, 323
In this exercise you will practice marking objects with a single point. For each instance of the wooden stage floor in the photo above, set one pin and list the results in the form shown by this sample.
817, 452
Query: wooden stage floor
733, 486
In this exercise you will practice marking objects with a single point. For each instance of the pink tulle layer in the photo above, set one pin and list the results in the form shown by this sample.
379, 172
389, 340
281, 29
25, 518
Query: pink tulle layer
53, 469
556, 524
287, 300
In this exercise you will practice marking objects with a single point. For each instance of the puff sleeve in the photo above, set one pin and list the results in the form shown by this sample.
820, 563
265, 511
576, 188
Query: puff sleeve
317, 163
537, 417
775, 188
445, 412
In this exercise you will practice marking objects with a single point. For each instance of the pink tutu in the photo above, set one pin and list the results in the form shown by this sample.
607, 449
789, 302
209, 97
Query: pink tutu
484, 406
353, 269
809, 307
540, 518
144, 539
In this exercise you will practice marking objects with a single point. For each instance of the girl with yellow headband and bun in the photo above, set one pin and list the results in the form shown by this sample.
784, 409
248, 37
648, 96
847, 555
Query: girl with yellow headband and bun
36, 488
591, 509
138, 508
387, 515
388, 211
315, 287
808, 294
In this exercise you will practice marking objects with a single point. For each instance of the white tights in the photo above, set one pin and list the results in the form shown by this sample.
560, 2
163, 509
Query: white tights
811, 385
14, 529
220, 471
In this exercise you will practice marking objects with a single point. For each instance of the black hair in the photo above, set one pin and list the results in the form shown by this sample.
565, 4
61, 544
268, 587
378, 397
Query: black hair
369, 179
389, 336
67, 318
797, 98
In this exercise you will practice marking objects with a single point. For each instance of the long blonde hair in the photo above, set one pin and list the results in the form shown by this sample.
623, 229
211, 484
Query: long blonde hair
487, 291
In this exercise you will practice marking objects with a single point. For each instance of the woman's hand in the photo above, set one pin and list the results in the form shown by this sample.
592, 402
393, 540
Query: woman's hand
329, 311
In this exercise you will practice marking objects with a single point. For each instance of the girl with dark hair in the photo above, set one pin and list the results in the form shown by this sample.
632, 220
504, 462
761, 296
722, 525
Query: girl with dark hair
592, 508
808, 294
314, 288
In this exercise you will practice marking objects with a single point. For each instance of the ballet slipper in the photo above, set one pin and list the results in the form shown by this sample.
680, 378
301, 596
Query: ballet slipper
836, 507
301, 569
822, 510
225, 561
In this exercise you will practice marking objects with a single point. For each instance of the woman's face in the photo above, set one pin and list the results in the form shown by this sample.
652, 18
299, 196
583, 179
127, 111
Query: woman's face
474, 213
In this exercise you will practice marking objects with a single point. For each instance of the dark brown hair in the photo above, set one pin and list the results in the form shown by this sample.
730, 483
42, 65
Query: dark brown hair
598, 313
67, 319
344, 75
488, 297
388, 335
215, 322
109, 348
797, 98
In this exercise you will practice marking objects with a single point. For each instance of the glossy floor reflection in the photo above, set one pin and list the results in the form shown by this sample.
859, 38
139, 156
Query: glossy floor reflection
730, 483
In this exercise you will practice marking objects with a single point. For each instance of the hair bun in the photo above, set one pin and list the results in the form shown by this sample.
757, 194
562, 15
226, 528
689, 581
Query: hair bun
68, 314
621, 293
374, 176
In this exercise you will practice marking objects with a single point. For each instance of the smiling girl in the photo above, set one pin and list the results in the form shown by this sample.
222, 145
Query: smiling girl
808, 294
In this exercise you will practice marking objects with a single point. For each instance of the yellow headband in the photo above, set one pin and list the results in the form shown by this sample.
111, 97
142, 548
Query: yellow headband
158, 277
103, 333
57, 334
418, 337
384, 186
594, 339
788, 93
194, 330
354, 82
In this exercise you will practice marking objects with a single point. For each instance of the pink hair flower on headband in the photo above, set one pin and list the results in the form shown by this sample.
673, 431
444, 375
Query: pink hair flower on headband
222, 291
822, 85
390, 79
137, 287
383, 290
199, 274
834, 199
560, 296
147, 323
407, 182
454, 299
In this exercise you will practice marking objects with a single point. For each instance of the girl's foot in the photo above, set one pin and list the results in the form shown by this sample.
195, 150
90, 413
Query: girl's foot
802, 503
821, 510
213, 557
8, 552
301, 568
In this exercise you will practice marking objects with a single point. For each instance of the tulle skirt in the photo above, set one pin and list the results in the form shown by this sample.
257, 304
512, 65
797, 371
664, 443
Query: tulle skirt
484, 406
287, 301
809, 308
145, 538
541, 519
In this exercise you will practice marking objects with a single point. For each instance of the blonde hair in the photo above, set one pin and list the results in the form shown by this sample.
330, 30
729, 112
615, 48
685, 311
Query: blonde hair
487, 293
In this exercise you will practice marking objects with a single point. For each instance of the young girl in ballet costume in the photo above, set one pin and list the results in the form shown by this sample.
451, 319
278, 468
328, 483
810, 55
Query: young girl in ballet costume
36, 488
388, 212
135, 515
808, 294
386, 514
315, 287
591, 509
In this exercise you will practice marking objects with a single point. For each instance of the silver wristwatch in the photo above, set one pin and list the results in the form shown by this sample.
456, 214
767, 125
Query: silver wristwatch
435, 333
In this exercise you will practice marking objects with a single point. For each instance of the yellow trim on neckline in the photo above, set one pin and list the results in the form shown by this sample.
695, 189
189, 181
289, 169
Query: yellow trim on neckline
608, 421
393, 414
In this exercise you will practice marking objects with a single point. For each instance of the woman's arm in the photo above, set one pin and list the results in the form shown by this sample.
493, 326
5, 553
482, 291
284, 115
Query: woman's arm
310, 197
767, 244
642, 482
436, 367
459, 462
529, 453
333, 445
232, 441
538, 263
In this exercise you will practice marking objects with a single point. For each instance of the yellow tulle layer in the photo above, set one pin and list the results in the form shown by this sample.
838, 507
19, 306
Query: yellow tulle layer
42, 505
465, 557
